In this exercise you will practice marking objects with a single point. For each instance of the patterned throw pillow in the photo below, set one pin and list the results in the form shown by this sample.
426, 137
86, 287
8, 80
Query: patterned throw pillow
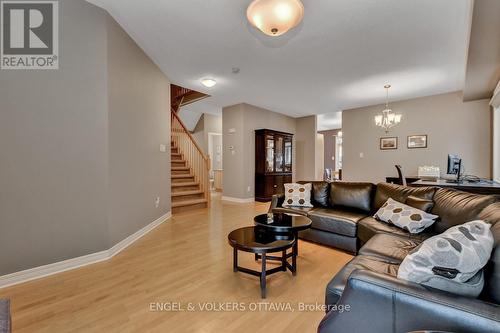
297, 195
453, 260
406, 217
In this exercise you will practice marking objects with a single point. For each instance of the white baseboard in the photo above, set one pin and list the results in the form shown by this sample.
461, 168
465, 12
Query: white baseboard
65, 265
238, 200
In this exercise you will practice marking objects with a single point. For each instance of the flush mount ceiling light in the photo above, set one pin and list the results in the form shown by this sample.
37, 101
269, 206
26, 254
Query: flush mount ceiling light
275, 17
387, 119
208, 82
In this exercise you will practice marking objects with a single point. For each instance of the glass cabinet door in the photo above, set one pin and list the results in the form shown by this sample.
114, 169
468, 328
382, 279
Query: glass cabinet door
288, 155
279, 154
269, 153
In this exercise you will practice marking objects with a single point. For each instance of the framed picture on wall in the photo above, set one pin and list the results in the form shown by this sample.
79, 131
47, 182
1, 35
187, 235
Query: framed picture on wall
417, 141
390, 143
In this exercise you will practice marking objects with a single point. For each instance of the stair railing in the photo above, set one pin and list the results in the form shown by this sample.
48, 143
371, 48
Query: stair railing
196, 160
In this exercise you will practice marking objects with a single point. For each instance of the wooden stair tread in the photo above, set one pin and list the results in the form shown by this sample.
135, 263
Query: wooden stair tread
188, 175
180, 168
182, 193
188, 202
185, 184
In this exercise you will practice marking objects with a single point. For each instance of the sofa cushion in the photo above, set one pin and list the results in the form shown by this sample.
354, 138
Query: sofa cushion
293, 210
339, 221
389, 248
369, 227
352, 195
400, 193
319, 193
491, 290
336, 286
420, 203
456, 207
405, 217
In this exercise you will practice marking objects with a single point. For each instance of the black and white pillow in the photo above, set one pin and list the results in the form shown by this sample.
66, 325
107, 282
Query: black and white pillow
405, 217
453, 260
297, 195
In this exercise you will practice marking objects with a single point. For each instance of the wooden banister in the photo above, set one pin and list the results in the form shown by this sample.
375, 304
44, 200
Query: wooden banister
197, 160
174, 114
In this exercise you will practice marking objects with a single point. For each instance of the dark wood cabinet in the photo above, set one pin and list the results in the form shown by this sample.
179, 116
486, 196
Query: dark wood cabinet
273, 162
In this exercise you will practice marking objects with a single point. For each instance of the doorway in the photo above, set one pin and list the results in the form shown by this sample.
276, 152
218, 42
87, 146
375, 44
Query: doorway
215, 154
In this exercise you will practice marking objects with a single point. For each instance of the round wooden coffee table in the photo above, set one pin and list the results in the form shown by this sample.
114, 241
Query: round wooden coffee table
285, 223
260, 241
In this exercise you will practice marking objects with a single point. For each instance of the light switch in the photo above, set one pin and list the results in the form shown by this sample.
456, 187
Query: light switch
361, 155
163, 148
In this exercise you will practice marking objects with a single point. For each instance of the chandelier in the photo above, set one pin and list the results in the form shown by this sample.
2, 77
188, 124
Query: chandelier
387, 119
275, 17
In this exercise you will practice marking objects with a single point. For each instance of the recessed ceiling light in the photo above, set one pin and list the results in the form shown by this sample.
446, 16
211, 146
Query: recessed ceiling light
208, 82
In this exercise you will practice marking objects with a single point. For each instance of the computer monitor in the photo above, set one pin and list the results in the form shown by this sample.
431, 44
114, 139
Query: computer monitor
454, 165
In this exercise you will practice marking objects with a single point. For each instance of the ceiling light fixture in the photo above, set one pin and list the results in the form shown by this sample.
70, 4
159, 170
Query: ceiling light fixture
387, 119
275, 17
208, 82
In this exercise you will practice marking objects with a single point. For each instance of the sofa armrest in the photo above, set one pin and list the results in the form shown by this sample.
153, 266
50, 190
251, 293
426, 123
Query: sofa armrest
382, 303
276, 202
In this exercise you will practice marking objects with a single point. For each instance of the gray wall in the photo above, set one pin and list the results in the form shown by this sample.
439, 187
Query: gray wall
59, 198
53, 142
239, 168
139, 120
452, 126
306, 142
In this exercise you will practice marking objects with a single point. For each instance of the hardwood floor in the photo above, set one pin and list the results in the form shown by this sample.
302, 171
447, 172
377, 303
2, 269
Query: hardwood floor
187, 259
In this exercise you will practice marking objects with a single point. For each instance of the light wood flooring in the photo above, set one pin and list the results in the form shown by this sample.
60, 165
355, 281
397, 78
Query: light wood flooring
187, 259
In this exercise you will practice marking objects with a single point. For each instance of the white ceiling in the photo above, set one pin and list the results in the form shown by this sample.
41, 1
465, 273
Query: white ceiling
329, 121
338, 58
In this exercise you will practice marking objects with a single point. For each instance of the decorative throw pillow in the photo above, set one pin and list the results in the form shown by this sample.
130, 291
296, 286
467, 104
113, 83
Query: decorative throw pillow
297, 195
453, 260
405, 217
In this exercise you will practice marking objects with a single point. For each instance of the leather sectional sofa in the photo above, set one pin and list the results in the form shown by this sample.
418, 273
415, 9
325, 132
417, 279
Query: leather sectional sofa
378, 300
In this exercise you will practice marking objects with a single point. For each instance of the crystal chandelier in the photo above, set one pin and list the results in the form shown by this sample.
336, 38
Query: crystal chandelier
387, 119
275, 17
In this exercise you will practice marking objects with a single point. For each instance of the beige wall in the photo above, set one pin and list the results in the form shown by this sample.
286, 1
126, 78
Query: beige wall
452, 126
306, 142
320, 156
138, 122
53, 139
73, 169
207, 123
239, 168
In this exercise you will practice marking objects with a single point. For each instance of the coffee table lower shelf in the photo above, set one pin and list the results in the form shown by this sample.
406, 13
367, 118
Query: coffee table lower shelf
261, 242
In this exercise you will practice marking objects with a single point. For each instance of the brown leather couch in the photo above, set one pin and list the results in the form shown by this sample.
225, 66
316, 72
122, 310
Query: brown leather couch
378, 300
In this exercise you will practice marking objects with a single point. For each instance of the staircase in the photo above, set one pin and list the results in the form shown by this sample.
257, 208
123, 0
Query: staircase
189, 170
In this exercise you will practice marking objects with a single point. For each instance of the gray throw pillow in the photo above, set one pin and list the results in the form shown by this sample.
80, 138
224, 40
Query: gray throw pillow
451, 261
405, 217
